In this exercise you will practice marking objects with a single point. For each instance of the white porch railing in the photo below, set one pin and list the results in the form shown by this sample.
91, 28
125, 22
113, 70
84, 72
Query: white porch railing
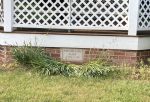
131, 15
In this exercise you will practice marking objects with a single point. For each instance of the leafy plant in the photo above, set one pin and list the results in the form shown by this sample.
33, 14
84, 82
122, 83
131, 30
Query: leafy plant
97, 69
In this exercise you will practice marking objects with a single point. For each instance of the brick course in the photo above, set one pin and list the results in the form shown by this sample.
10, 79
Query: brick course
6, 55
116, 56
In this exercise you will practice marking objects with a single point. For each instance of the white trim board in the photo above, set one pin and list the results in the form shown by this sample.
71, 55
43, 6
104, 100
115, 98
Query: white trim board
76, 41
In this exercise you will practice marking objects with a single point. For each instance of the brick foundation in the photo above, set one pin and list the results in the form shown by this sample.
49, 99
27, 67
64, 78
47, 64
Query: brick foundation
116, 56
5, 55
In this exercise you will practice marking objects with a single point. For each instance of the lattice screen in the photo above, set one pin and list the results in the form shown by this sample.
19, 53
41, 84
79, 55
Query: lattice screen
41, 13
101, 13
1, 13
111, 14
144, 16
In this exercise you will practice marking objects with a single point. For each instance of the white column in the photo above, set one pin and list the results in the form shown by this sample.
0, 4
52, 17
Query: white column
133, 17
8, 15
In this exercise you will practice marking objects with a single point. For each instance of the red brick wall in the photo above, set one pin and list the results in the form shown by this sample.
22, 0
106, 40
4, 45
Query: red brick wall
5, 54
116, 56
54, 52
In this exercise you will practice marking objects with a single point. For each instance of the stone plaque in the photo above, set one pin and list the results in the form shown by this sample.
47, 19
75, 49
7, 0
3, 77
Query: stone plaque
74, 55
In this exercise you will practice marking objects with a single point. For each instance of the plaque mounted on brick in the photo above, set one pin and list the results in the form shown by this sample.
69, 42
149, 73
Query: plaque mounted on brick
73, 55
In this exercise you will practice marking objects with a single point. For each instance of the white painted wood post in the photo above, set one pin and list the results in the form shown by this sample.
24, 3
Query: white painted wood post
8, 15
133, 17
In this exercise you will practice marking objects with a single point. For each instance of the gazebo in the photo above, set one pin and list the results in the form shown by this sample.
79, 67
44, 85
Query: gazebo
78, 30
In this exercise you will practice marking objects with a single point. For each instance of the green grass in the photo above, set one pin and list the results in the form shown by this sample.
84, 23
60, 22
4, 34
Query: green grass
26, 86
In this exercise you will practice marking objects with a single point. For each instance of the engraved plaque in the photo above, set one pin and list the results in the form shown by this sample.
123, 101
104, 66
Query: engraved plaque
75, 55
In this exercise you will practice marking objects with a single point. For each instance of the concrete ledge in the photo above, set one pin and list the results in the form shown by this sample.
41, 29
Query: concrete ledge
76, 41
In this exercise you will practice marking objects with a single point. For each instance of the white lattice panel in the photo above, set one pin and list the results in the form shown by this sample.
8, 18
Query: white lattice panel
1, 13
144, 15
100, 13
41, 13
72, 14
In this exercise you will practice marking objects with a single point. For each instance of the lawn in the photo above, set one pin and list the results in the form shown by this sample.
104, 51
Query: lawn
26, 86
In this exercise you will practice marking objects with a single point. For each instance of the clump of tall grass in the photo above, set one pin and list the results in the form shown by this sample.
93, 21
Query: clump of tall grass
36, 58
97, 68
